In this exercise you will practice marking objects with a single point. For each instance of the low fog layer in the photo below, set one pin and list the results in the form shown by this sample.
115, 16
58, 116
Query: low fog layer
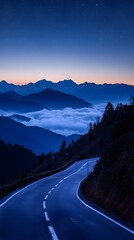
66, 122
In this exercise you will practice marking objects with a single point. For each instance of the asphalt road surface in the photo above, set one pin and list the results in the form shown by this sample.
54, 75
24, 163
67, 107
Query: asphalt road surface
51, 209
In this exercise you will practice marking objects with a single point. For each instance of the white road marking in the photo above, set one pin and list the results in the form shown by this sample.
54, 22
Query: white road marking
2, 204
46, 216
102, 214
51, 229
60, 181
52, 232
8, 199
46, 197
44, 204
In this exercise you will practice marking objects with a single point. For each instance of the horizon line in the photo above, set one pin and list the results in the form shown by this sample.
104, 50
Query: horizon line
122, 83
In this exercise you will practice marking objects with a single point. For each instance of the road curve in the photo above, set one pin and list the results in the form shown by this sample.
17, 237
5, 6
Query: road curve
51, 209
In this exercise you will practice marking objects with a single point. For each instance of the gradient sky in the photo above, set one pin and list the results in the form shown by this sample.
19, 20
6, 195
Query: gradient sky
85, 40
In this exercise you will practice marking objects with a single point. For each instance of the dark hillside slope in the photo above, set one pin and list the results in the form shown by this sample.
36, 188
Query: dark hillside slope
15, 162
96, 141
37, 139
11, 101
111, 184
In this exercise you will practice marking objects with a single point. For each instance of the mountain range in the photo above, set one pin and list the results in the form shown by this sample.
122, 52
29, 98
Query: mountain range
91, 92
12, 101
48, 98
35, 138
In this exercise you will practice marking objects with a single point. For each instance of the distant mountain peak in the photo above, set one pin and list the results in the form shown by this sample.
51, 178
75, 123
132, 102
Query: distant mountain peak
3, 82
67, 80
55, 99
42, 81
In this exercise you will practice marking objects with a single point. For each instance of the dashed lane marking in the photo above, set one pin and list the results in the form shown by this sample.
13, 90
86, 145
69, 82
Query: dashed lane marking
50, 228
46, 197
46, 216
44, 204
52, 233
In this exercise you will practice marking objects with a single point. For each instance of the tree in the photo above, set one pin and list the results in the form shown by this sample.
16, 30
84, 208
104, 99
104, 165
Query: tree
63, 146
94, 125
108, 110
72, 142
119, 106
97, 119
41, 158
131, 100
90, 126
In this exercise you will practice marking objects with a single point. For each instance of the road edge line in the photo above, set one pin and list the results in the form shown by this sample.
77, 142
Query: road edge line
102, 214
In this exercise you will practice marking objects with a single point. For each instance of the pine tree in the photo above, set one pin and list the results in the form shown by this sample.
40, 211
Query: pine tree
63, 146
108, 110
131, 100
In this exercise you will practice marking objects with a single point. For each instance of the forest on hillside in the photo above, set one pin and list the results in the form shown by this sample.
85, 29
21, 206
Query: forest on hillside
111, 184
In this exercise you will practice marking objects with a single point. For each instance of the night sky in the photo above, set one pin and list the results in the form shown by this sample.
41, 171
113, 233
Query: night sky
85, 40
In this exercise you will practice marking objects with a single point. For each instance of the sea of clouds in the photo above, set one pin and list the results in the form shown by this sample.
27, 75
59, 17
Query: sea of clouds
66, 122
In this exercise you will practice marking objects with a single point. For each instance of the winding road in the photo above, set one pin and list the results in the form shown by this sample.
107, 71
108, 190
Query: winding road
51, 209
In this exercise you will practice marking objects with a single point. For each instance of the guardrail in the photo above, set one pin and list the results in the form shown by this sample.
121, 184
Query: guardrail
7, 188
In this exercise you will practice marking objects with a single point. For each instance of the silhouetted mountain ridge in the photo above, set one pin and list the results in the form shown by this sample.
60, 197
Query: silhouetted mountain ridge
12, 101
48, 98
37, 139
57, 100
90, 92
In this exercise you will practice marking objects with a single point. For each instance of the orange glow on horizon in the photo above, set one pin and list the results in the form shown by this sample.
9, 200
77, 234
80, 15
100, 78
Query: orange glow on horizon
78, 79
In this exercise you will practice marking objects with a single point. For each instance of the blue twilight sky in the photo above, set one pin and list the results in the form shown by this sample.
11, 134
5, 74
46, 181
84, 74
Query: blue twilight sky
85, 40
